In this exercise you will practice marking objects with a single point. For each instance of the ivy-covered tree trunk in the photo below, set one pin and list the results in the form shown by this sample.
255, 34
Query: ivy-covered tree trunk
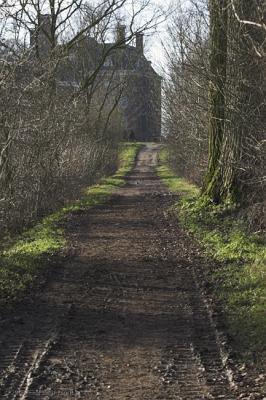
5, 158
245, 98
218, 62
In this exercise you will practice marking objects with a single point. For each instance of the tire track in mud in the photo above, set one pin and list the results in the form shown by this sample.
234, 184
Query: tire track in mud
123, 317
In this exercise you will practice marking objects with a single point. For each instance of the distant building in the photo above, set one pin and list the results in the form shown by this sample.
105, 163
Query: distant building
140, 101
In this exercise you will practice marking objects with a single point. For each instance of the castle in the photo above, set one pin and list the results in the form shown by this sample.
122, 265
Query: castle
140, 100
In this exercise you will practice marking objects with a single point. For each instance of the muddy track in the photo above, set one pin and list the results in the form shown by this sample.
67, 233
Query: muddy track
122, 317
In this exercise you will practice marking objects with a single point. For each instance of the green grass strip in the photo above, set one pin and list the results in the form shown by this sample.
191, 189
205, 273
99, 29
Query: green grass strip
21, 262
239, 278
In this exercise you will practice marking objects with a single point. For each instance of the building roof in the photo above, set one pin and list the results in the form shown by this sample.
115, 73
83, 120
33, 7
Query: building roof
124, 57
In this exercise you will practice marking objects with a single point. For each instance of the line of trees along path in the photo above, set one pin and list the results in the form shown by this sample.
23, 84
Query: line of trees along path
60, 127
214, 100
237, 100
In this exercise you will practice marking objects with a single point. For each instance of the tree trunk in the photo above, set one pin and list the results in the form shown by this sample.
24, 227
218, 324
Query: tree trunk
245, 101
218, 59
237, 102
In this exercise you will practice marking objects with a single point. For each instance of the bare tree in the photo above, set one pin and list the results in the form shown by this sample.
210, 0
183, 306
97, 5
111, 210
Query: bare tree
185, 95
60, 124
239, 172
228, 59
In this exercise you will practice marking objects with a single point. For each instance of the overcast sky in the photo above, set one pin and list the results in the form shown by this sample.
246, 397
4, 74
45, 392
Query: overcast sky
155, 44
154, 48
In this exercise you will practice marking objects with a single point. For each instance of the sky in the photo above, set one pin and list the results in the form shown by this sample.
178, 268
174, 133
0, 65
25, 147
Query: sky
154, 49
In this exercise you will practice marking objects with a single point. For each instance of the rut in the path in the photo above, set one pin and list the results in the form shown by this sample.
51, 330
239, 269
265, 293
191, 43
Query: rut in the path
122, 318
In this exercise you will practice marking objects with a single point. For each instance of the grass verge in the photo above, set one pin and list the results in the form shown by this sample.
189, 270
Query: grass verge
21, 262
238, 276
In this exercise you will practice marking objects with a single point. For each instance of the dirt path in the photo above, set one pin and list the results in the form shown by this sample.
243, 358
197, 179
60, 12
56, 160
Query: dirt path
122, 317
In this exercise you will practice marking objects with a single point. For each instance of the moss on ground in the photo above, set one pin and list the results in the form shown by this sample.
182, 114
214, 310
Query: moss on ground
22, 261
239, 276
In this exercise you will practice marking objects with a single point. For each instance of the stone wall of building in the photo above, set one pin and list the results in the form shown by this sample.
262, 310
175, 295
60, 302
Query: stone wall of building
142, 109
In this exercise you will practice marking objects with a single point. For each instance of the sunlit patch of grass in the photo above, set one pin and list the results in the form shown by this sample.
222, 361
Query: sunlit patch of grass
21, 262
242, 290
174, 183
239, 275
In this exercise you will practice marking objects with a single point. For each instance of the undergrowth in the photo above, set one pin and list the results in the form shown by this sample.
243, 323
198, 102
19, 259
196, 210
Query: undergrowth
239, 275
21, 261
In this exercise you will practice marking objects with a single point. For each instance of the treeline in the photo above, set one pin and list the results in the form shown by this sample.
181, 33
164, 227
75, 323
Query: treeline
60, 127
215, 114
52, 143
